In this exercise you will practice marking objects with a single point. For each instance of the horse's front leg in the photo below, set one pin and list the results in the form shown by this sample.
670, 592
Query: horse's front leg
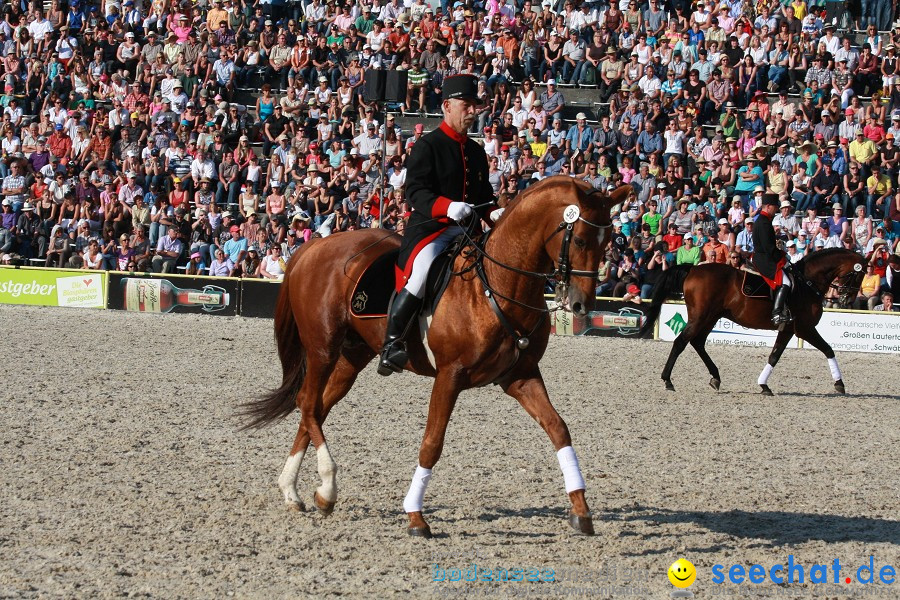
531, 393
443, 399
812, 336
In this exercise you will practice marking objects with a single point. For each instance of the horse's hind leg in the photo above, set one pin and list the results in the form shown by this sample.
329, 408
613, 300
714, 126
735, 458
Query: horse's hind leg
340, 382
812, 336
784, 336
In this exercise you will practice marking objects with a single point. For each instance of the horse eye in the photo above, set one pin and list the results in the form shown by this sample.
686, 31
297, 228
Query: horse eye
580, 243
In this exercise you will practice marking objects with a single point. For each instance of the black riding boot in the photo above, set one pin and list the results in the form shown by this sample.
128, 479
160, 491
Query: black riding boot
780, 312
404, 308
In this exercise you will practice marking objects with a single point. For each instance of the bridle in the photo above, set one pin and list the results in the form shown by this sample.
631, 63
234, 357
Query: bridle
562, 272
848, 285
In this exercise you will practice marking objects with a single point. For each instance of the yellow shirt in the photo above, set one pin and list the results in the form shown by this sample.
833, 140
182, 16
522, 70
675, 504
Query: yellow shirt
862, 152
538, 148
870, 284
882, 185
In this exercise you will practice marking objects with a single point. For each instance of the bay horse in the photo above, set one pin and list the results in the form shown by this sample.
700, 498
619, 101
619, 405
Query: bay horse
713, 291
489, 327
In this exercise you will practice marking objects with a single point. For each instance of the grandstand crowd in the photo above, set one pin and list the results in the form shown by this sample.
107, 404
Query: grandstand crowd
218, 136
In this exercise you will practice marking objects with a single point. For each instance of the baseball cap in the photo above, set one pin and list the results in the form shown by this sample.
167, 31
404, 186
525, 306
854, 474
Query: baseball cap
234, 229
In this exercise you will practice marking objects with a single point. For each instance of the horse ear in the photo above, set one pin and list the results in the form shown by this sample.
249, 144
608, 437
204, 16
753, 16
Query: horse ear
607, 201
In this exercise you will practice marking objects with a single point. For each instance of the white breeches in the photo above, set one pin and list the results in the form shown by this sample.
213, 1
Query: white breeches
426, 256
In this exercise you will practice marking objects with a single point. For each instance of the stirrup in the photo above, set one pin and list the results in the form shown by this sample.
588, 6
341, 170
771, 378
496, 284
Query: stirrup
393, 358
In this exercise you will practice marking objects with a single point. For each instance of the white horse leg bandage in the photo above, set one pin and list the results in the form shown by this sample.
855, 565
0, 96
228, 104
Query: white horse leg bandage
568, 462
764, 376
413, 500
835, 369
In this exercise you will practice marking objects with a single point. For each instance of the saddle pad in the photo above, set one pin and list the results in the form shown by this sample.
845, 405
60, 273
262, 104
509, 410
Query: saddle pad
755, 286
372, 293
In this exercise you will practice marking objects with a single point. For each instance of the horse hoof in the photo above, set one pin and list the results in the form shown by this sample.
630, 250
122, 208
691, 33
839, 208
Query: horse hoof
583, 525
325, 507
765, 391
839, 387
669, 386
423, 531
715, 383
295, 507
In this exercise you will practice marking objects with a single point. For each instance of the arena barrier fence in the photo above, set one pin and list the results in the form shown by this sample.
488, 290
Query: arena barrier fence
845, 330
37, 286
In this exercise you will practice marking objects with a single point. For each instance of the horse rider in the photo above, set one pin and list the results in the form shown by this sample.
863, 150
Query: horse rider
770, 260
447, 174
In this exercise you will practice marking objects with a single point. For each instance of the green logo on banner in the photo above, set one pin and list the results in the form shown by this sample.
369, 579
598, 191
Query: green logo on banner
676, 323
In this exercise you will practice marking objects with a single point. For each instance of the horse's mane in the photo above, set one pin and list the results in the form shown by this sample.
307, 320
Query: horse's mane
523, 196
822, 254
816, 258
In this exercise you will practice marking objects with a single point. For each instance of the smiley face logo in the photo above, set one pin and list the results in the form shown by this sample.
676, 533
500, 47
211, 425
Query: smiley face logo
682, 573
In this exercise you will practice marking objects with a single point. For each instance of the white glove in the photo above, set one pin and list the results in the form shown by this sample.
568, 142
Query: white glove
458, 211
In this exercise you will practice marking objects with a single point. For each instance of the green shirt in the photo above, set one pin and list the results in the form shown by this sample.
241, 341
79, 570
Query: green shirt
364, 25
653, 221
685, 256
730, 126
417, 76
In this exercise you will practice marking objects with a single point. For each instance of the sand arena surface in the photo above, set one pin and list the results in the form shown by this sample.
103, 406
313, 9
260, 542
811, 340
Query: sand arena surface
123, 473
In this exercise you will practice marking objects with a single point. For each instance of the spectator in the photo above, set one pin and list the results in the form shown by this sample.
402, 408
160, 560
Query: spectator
887, 303
168, 251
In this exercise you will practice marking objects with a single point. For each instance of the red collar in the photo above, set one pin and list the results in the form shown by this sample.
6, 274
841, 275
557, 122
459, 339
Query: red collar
451, 133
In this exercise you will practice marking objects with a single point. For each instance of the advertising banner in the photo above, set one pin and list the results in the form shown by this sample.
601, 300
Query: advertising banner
259, 298
861, 331
167, 292
53, 287
673, 319
610, 318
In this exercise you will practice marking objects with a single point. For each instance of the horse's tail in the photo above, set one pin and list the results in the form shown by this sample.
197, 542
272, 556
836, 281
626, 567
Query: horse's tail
670, 283
279, 403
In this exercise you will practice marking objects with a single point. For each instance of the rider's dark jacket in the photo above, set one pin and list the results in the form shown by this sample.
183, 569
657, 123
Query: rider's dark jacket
444, 167
767, 257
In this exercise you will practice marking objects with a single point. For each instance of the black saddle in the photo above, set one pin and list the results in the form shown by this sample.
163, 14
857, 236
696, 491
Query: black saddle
372, 294
755, 286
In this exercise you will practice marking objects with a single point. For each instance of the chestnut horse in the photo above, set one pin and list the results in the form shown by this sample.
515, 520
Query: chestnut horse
489, 327
713, 291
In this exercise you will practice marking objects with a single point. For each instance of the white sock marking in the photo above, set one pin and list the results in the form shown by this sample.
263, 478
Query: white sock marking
764, 376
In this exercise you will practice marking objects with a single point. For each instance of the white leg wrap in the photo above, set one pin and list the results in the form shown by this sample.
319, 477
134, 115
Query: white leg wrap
764, 376
568, 462
328, 472
288, 479
413, 500
835, 369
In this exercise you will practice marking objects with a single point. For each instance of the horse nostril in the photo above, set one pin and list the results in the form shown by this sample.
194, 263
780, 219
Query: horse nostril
577, 308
